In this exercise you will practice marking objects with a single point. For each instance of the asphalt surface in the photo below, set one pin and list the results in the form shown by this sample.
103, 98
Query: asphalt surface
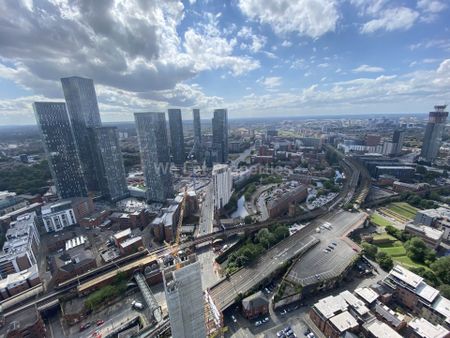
207, 212
225, 291
319, 265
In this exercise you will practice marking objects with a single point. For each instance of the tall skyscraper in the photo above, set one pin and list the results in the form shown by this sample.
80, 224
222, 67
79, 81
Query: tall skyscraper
83, 112
398, 138
60, 148
177, 136
433, 133
220, 134
223, 184
198, 135
185, 302
109, 163
155, 158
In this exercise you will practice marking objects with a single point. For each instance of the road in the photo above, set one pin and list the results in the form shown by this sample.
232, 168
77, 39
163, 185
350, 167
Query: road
225, 291
205, 225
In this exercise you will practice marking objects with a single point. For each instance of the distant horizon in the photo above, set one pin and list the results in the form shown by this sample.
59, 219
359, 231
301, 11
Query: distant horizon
315, 116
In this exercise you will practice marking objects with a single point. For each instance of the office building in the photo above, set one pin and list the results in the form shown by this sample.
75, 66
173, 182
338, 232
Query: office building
60, 148
109, 163
222, 184
198, 142
176, 136
398, 139
185, 302
433, 133
220, 135
155, 158
83, 111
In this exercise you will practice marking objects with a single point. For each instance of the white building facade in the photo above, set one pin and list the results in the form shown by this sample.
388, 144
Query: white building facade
223, 184
57, 216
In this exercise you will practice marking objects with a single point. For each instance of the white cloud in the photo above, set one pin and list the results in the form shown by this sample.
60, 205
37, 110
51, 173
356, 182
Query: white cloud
400, 18
270, 82
431, 6
368, 69
311, 18
253, 42
133, 49
323, 65
416, 91
286, 43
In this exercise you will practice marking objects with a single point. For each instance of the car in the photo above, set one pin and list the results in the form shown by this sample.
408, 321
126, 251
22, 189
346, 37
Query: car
286, 329
137, 305
280, 334
325, 250
258, 323
100, 322
233, 318
85, 326
265, 320
267, 290
334, 243
283, 312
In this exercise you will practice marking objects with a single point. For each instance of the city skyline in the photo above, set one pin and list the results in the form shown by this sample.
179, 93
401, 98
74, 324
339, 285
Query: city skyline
385, 57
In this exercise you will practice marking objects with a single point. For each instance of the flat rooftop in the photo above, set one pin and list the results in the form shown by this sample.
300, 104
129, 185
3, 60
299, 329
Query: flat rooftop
344, 321
331, 305
382, 330
425, 329
367, 294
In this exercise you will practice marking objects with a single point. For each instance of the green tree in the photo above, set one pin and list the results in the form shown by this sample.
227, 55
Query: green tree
281, 232
445, 290
369, 250
417, 250
248, 219
384, 260
441, 268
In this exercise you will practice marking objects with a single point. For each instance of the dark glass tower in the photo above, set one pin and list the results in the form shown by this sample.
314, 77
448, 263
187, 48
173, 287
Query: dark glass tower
176, 136
83, 111
60, 148
398, 138
198, 136
433, 133
153, 144
220, 134
109, 163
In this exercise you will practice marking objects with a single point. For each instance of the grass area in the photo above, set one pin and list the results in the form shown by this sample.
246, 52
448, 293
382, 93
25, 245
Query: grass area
379, 220
404, 209
394, 251
407, 262
398, 254
384, 237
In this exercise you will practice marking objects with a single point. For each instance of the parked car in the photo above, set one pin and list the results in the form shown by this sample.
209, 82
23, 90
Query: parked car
258, 323
85, 326
100, 322
137, 305
233, 318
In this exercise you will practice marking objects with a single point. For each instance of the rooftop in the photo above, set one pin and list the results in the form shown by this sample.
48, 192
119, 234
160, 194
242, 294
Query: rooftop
406, 276
425, 329
344, 321
331, 305
122, 234
442, 305
367, 294
357, 304
381, 330
429, 232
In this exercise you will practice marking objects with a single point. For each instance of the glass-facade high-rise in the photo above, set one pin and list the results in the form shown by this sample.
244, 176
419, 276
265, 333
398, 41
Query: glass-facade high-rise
198, 151
109, 163
220, 134
153, 145
83, 111
176, 136
433, 133
60, 148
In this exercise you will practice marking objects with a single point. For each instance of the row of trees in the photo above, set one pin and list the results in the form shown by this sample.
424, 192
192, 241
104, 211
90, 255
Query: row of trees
253, 248
26, 179
382, 258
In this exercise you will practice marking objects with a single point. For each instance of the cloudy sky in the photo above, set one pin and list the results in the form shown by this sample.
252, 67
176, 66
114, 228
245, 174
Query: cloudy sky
256, 58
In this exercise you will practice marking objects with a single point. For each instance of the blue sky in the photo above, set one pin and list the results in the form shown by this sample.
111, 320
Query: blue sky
256, 58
